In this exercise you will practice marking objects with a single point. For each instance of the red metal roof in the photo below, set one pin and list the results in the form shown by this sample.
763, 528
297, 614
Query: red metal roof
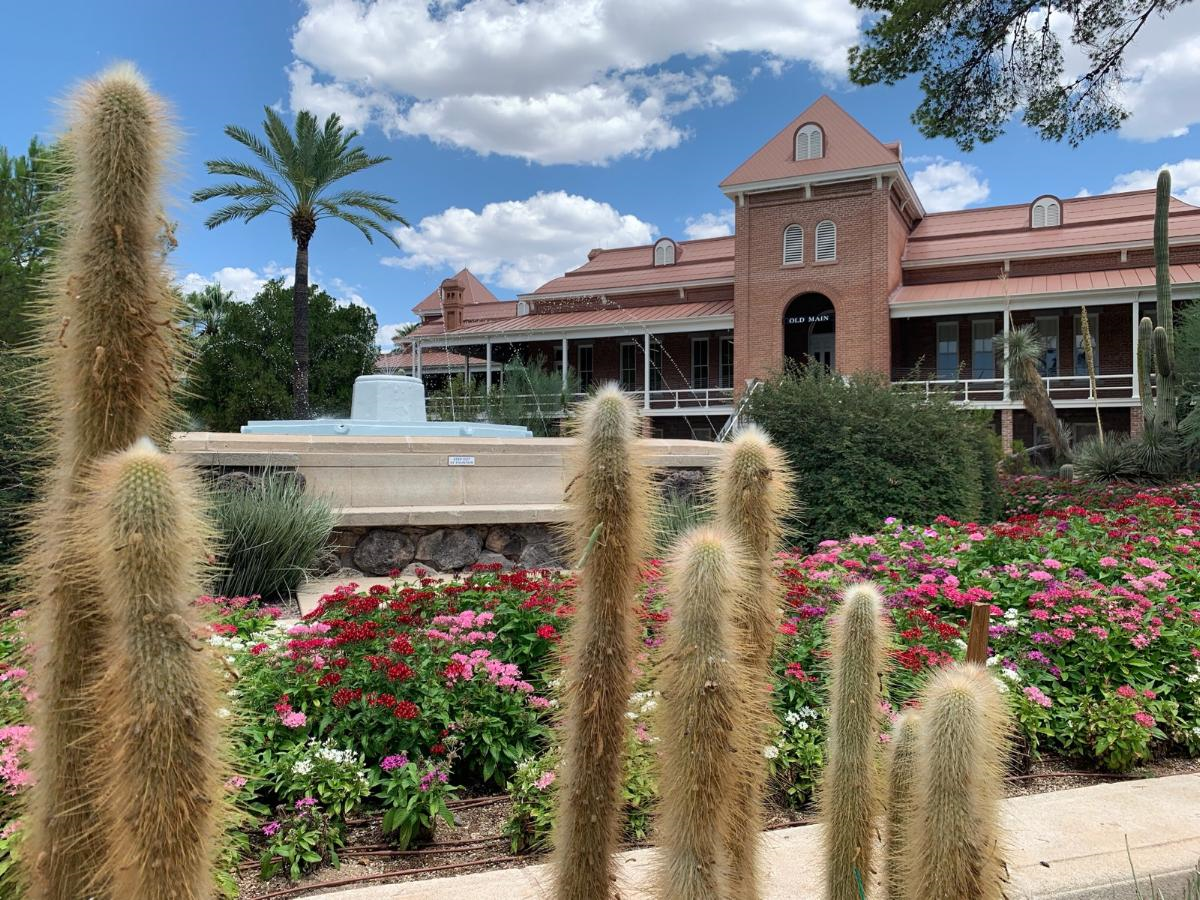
630, 267
430, 359
634, 316
847, 145
474, 293
1086, 222
994, 288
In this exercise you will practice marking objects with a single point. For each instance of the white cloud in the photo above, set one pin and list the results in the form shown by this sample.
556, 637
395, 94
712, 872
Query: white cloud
949, 184
518, 244
549, 80
1185, 180
710, 225
242, 281
383, 337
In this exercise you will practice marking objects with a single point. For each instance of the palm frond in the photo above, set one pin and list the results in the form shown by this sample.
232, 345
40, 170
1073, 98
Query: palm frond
247, 212
239, 191
365, 224
249, 139
235, 169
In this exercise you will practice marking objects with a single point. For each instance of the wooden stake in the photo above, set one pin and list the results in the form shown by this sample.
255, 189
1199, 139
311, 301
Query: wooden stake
977, 643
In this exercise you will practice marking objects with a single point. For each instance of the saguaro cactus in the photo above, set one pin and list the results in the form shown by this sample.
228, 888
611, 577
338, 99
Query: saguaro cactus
609, 497
954, 835
851, 791
752, 492
702, 716
901, 800
159, 766
1156, 344
108, 364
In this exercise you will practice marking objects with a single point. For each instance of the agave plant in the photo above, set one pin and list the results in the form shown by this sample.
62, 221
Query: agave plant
1023, 348
1158, 452
1108, 460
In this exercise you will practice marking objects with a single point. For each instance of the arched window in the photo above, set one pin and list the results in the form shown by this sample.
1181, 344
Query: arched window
1046, 212
826, 242
664, 252
793, 245
810, 142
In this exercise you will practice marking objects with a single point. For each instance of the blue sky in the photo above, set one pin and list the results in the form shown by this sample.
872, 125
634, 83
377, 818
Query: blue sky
522, 135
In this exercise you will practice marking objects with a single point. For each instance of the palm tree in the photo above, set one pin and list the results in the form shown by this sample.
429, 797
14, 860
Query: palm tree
300, 170
207, 308
1024, 348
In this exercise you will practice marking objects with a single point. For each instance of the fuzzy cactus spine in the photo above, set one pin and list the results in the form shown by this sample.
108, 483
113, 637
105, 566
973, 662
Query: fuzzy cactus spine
701, 717
901, 797
954, 836
609, 498
851, 790
753, 494
160, 760
107, 363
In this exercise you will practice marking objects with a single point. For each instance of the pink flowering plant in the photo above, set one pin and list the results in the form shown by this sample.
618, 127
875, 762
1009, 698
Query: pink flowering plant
413, 796
300, 837
16, 740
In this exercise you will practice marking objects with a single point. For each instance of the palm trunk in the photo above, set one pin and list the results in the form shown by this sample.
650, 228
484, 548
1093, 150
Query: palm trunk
300, 364
1037, 403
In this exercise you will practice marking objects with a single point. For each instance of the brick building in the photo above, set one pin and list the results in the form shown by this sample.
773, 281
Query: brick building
834, 258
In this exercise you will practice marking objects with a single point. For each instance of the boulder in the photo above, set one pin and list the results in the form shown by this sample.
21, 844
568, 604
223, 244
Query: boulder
410, 571
450, 549
487, 557
506, 541
541, 556
383, 549
236, 481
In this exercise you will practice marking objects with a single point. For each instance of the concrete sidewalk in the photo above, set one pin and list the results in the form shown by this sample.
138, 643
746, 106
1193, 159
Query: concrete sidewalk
1080, 844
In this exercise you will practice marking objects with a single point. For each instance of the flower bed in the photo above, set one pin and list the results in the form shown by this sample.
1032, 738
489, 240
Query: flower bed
390, 699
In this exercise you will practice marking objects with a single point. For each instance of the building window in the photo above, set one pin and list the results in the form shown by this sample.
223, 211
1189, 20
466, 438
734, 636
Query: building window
810, 143
947, 351
1081, 367
983, 348
1046, 212
1047, 328
558, 358
656, 366
725, 369
629, 361
700, 362
826, 242
793, 245
583, 365
664, 252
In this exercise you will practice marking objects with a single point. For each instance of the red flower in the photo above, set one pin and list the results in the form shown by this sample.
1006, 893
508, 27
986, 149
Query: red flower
406, 709
330, 679
401, 646
377, 589
795, 670
437, 749
399, 672
393, 573
346, 696
547, 632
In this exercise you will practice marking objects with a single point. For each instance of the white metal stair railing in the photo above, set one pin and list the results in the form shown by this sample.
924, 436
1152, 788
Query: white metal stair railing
735, 418
1058, 387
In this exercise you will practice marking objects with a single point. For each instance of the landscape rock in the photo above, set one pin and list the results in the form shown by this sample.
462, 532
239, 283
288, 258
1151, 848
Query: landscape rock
410, 571
449, 549
505, 540
383, 549
236, 481
541, 556
328, 562
487, 557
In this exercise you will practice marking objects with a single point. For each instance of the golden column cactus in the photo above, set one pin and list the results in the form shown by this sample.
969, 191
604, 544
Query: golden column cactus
609, 497
901, 801
752, 494
702, 715
850, 795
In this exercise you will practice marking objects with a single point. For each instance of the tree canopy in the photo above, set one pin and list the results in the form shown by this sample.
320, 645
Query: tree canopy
981, 61
26, 236
243, 369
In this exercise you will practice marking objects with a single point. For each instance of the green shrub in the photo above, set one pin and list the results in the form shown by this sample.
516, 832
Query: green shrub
23, 454
269, 533
1017, 462
863, 450
674, 515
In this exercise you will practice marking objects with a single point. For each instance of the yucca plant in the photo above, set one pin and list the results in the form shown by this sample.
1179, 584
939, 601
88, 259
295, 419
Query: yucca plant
1024, 348
1108, 460
268, 534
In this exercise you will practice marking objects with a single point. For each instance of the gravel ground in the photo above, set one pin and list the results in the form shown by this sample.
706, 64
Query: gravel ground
475, 842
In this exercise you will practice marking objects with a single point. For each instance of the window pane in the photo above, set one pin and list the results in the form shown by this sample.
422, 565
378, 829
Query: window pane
1081, 367
584, 367
700, 363
947, 350
655, 366
726, 374
1047, 327
628, 366
983, 349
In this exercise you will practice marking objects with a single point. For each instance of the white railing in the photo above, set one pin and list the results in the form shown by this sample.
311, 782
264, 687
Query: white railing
551, 406
1060, 388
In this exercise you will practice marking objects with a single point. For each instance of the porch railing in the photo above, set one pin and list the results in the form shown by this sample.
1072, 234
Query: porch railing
987, 391
470, 408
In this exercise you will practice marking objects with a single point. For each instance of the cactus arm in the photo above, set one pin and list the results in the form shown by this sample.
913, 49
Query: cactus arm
1164, 364
1162, 261
1145, 363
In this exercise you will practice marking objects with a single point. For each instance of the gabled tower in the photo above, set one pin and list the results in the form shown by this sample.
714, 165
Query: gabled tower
823, 211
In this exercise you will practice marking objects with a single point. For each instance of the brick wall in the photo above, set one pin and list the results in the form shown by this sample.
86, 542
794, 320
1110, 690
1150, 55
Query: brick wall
857, 282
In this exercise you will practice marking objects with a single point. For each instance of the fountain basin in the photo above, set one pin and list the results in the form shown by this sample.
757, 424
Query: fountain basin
382, 406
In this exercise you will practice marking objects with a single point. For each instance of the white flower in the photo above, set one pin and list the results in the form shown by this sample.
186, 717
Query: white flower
649, 706
791, 717
770, 751
630, 714
803, 726
960, 643
222, 712
1010, 674
302, 767
1011, 613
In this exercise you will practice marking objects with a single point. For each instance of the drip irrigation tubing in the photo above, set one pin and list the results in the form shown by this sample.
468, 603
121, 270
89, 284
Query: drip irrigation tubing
345, 882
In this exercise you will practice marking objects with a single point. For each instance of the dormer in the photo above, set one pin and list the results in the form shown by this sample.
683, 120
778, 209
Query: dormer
1045, 212
664, 252
809, 142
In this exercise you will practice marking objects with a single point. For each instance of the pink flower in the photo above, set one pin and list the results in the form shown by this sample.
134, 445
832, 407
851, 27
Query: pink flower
545, 780
1126, 691
235, 783
1108, 562
293, 719
1052, 564
1149, 694
1037, 696
270, 829
395, 761
1039, 575
1144, 719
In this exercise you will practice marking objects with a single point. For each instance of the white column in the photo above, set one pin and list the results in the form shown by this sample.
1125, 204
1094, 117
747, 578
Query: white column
1137, 388
417, 359
1007, 321
564, 363
488, 368
646, 370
